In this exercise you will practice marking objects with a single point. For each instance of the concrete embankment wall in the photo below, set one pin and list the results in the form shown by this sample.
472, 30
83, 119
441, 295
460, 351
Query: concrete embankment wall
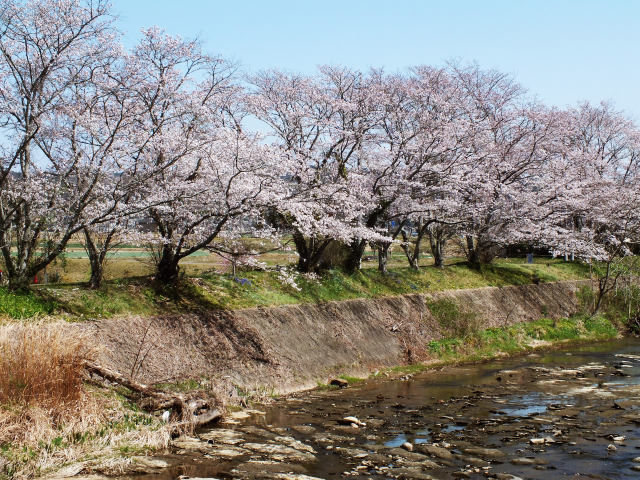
279, 349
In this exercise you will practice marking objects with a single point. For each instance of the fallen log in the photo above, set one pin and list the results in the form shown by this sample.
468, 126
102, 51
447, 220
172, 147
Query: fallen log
190, 410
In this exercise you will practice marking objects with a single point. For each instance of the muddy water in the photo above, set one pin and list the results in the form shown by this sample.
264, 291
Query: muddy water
565, 414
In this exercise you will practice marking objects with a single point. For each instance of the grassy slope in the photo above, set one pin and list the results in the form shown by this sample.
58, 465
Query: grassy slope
544, 334
485, 344
265, 288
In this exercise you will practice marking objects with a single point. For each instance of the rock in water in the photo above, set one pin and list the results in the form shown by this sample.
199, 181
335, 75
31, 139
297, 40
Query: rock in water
351, 421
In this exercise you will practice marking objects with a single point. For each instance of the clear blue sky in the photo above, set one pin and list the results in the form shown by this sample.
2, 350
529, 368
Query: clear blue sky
562, 51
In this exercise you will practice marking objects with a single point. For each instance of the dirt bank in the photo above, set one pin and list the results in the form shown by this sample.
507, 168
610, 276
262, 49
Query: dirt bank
280, 349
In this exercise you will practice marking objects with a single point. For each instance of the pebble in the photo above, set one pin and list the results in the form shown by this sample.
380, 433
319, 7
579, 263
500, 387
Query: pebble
408, 446
523, 461
351, 421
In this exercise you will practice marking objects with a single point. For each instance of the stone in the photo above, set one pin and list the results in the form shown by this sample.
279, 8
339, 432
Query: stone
228, 452
241, 415
222, 436
409, 473
408, 446
147, 464
378, 459
339, 382
491, 453
526, 461
294, 476
351, 452
68, 471
259, 467
461, 474
434, 451
190, 444
185, 477
304, 429
297, 444
351, 421
375, 422
280, 453
476, 462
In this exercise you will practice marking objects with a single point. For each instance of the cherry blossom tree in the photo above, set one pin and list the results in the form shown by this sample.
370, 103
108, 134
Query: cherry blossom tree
592, 211
512, 143
55, 155
203, 170
321, 124
420, 138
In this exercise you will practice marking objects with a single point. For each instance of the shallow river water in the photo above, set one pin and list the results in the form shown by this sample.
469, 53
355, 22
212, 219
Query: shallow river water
565, 414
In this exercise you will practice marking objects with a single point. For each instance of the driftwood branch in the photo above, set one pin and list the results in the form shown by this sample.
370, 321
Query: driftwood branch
189, 410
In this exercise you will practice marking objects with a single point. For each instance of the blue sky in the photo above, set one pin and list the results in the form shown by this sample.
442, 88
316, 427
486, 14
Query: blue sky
562, 51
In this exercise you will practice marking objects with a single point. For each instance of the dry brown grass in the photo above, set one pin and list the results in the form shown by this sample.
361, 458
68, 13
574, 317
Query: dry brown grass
41, 364
48, 417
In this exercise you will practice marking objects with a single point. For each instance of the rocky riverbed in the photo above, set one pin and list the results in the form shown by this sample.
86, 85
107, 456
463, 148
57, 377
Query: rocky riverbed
565, 414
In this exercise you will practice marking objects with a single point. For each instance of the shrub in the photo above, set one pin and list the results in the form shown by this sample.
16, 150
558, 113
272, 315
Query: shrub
586, 298
454, 321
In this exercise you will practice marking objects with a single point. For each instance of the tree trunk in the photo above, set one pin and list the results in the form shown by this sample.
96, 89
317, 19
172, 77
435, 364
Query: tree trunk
413, 255
473, 256
309, 250
20, 281
190, 408
304, 264
383, 256
18, 273
437, 244
167, 269
358, 245
97, 274
356, 251
602, 288
97, 254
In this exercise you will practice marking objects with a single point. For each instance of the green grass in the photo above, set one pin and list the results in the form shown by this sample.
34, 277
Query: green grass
24, 304
488, 343
265, 289
209, 291
351, 379
183, 386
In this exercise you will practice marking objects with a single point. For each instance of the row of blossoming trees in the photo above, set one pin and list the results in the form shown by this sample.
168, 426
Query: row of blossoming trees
169, 145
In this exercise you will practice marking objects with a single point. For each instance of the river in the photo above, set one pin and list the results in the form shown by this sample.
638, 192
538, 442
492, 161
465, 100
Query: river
569, 414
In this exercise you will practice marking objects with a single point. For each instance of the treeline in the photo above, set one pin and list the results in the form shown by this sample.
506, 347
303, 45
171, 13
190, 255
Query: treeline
167, 145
